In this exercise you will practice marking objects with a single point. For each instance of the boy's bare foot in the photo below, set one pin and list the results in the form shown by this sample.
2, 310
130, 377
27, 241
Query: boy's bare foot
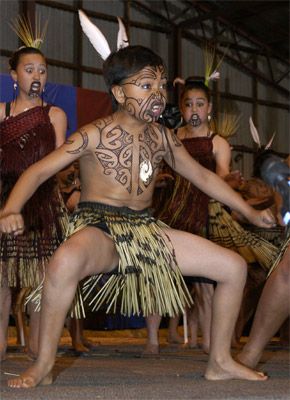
232, 370
151, 350
30, 378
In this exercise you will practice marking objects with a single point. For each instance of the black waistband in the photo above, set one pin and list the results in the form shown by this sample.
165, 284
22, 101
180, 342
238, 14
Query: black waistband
115, 209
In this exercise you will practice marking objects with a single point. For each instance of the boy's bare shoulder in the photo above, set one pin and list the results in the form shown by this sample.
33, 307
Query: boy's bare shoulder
96, 126
102, 123
172, 136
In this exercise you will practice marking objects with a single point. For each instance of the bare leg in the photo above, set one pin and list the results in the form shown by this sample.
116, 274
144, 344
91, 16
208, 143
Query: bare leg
79, 343
272, 311
204, 297
254, 285
5, 306
74, 260
173, 335
152, 325
198, 257
33, 337
284, 333
18, 300
192, 318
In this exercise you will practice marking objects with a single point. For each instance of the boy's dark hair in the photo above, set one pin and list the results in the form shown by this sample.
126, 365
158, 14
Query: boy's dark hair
126, 62
259, 158
195, 83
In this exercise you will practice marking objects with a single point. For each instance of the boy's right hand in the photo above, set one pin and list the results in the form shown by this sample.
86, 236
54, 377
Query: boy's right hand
12, 223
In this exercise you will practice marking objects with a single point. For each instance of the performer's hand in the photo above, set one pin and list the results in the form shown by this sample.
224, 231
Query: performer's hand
263, 218
12, 223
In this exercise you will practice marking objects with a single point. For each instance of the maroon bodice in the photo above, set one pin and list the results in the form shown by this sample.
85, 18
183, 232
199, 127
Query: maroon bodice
24, 140
181, 205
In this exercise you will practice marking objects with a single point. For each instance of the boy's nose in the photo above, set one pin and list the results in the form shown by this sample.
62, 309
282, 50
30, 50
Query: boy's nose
157, 92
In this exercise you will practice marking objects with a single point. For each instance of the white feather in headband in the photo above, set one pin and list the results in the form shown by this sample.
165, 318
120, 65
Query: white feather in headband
254, 133
256, 136
122, 39
98, 40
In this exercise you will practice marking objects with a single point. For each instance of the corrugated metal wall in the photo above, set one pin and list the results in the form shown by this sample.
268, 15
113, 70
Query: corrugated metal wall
59, 45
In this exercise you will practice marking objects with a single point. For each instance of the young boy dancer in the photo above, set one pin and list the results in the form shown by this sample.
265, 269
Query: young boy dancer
119, 158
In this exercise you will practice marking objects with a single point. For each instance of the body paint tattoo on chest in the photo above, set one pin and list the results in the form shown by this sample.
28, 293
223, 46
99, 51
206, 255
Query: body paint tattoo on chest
115, 154
151, 153
82, 146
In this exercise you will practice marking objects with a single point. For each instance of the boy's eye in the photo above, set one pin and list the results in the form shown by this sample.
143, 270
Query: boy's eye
163, 86
200, 104
146, 86
29, 70
42, 71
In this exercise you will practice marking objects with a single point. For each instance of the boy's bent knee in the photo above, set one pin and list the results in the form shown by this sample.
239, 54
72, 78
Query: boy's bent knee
65, 260
239, 268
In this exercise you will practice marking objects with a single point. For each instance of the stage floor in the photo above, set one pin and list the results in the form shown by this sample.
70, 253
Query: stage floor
114, 369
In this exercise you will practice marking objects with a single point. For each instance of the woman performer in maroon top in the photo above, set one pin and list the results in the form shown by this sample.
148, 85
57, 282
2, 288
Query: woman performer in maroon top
183, 206
30, 129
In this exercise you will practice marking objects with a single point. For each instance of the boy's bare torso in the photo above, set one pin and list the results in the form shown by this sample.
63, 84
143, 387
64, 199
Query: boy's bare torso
120, 164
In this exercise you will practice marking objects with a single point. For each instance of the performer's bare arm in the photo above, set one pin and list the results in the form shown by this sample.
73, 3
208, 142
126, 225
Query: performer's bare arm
222, 155
59, 121
36, 174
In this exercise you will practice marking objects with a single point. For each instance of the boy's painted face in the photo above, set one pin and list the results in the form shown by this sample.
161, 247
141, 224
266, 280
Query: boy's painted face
31, 74
145, 93
195, 107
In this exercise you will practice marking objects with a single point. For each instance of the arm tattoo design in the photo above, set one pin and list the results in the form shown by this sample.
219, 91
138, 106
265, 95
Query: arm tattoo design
82, 147
175, 139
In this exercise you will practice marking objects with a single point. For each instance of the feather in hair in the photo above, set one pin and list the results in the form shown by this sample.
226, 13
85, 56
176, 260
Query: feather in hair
23, 29
122, 39
254, 133
95, 36
179, 80
269, 144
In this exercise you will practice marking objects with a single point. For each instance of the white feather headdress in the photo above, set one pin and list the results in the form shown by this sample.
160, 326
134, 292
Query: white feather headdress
256, 136
98, 40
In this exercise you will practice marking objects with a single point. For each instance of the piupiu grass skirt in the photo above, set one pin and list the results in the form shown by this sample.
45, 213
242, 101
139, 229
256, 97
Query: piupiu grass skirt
23, 258
228, 233
147, 279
